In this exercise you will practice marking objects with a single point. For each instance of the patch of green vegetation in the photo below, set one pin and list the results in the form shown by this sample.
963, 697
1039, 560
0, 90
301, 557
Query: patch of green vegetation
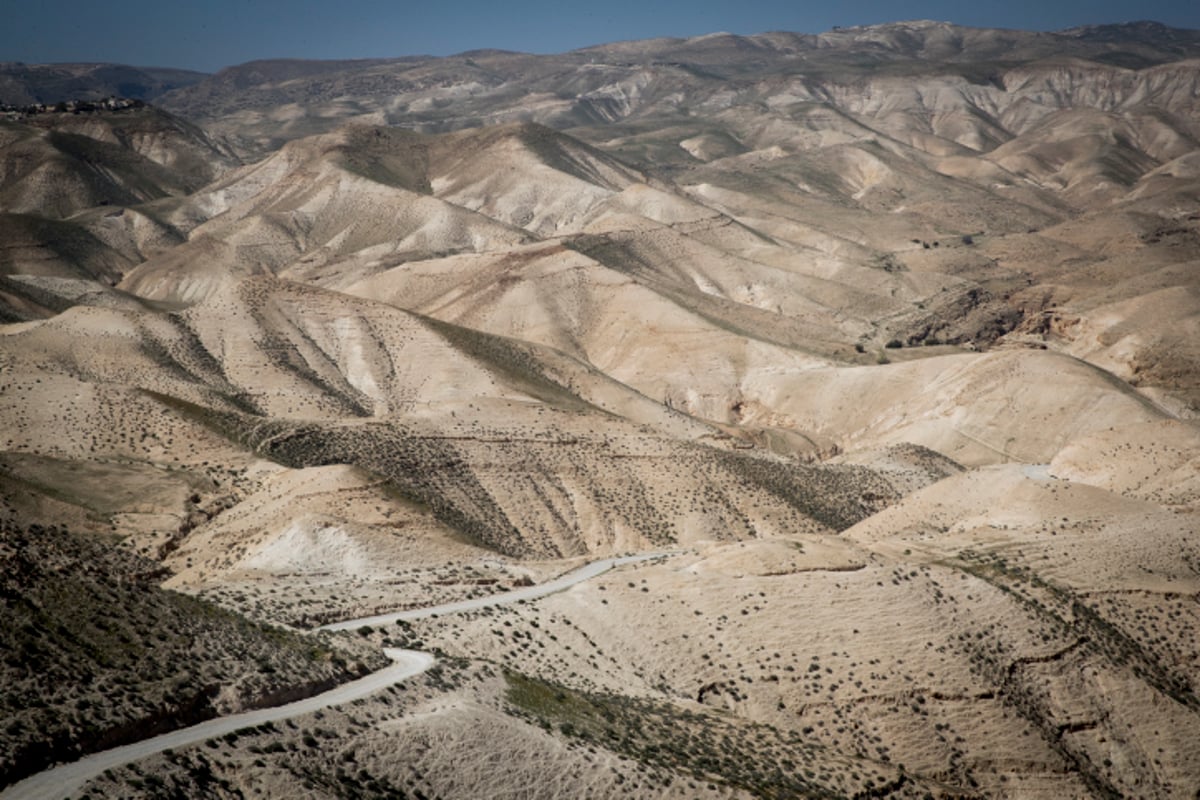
233, 425
390, 156
77, 249
93, 653
103, 488
837, 497
756, 758
621, 255
514, 360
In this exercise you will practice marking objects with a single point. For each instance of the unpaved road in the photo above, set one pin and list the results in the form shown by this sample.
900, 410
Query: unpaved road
66, 779
560, 583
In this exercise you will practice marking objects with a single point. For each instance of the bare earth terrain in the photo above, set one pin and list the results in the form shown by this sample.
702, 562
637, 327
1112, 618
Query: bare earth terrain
869, 362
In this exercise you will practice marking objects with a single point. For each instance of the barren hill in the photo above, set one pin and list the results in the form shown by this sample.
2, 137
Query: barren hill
24, 84
58, 163
882, 340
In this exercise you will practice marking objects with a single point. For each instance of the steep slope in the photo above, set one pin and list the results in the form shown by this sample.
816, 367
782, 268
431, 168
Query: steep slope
1052, 615
55, 164
518, 448
67, 184
360, 191
977, 88
112, 658
24, 84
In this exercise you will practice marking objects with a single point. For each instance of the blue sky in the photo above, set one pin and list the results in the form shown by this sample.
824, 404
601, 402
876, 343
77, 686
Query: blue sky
218, 33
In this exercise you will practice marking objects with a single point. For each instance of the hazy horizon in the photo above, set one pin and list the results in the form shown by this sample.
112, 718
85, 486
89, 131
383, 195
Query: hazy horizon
220, 34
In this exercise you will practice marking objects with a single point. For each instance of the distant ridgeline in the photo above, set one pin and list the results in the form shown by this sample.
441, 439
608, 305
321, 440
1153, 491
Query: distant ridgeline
70, 107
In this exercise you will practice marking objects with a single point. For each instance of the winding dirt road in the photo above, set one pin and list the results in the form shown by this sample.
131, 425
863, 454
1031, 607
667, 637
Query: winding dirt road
558, 584
66, 779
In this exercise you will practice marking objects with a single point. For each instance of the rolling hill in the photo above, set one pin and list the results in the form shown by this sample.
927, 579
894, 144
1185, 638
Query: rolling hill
878, 345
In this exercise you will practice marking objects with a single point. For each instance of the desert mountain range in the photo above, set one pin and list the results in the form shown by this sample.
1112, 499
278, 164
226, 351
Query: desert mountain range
887, 339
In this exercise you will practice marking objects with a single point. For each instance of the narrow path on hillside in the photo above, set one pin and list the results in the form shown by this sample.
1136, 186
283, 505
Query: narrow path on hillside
558, 584
66, 779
